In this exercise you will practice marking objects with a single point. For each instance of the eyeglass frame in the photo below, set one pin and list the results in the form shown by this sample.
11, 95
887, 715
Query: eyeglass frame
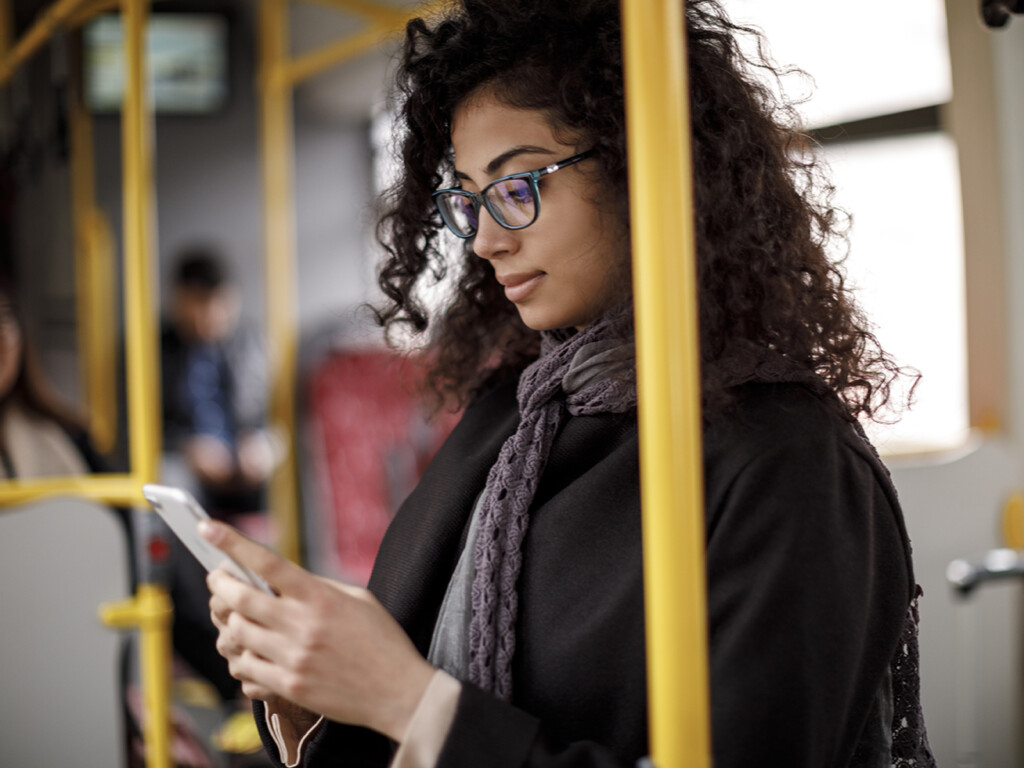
479, 199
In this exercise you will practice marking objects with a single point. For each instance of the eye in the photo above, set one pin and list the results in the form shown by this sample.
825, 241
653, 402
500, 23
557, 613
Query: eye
515, 192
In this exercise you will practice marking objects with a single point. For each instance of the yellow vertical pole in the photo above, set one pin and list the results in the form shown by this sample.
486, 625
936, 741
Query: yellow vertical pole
665, 294
142, 365
140, 305
279, 233
94, 273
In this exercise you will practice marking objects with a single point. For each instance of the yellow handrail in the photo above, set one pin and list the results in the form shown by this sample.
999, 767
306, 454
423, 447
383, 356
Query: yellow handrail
142, 363
665, 294
140, 304
99, 329
51, 20
150, 612
380, 15
279, 233
90, 9
119, 490
94, 276
332, 54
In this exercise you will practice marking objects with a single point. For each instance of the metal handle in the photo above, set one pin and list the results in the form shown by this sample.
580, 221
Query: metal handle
996, 564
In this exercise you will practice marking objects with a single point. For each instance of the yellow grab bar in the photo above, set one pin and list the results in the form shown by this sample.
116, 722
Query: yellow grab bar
94, 278
668, 382
52, 19
140, 295
378, 13
279, 237
120, 490
142, 360
384, 25
150, 612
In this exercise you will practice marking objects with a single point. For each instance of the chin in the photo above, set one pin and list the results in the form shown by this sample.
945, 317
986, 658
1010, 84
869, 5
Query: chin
546, 321
538, 326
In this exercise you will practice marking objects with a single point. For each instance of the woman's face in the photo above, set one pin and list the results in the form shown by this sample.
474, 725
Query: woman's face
10, 347
566, 268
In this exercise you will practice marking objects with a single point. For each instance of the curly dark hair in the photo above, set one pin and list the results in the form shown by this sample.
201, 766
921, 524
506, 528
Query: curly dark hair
764, 217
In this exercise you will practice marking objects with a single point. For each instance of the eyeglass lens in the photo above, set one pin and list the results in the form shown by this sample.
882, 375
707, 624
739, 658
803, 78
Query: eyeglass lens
510, 201
460, 213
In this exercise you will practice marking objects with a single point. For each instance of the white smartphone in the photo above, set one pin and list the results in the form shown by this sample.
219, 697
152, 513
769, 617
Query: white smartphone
182, 513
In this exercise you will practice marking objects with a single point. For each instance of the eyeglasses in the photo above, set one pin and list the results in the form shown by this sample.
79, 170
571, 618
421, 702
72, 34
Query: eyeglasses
513, 201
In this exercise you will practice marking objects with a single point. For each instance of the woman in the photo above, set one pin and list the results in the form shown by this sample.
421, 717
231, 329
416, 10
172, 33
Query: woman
39, 437
513, 571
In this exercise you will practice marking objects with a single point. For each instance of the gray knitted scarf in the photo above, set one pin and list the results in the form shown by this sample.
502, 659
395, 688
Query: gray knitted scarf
583, 373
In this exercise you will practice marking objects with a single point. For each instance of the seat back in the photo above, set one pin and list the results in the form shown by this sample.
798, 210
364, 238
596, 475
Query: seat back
60, 681
368, 442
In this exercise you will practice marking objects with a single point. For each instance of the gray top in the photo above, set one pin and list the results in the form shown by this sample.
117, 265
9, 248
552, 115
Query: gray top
449, 647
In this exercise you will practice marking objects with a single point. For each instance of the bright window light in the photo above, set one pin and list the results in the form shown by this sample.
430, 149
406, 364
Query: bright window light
906, 266
869, 57
866, 59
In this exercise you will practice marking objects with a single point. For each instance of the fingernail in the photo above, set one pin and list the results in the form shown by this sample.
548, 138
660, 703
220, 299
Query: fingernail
209, 531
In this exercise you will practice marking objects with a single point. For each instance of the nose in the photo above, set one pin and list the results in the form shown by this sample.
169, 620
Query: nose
492, 240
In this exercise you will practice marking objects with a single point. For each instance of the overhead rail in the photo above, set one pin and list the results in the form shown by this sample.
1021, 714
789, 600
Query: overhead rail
668, 382
383, 21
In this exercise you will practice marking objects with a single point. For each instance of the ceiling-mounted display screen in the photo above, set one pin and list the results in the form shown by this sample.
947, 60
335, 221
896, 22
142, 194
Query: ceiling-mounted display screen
187, 57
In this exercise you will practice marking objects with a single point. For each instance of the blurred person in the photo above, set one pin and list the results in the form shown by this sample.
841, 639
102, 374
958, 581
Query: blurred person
39, 435
214, 386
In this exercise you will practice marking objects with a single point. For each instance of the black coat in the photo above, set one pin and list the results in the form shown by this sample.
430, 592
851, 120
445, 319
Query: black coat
809, 583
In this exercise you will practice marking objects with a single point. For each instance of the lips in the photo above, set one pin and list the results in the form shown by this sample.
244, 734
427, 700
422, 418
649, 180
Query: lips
520, 284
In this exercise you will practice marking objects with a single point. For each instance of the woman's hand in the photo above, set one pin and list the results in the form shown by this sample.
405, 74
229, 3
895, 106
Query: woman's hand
325, 646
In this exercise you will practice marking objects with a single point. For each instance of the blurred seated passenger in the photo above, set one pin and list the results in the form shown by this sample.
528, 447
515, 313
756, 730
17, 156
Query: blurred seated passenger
39, 436
214, 392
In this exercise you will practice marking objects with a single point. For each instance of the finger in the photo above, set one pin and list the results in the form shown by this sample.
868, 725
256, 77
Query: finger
283, 575
250, 688
227, 648
249, 637
219, 611
234, 596
227, 644
269, 678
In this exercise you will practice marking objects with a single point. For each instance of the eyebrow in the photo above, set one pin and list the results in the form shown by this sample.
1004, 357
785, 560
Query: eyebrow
504, 157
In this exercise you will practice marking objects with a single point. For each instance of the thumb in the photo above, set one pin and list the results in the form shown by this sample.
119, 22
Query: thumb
281, 574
